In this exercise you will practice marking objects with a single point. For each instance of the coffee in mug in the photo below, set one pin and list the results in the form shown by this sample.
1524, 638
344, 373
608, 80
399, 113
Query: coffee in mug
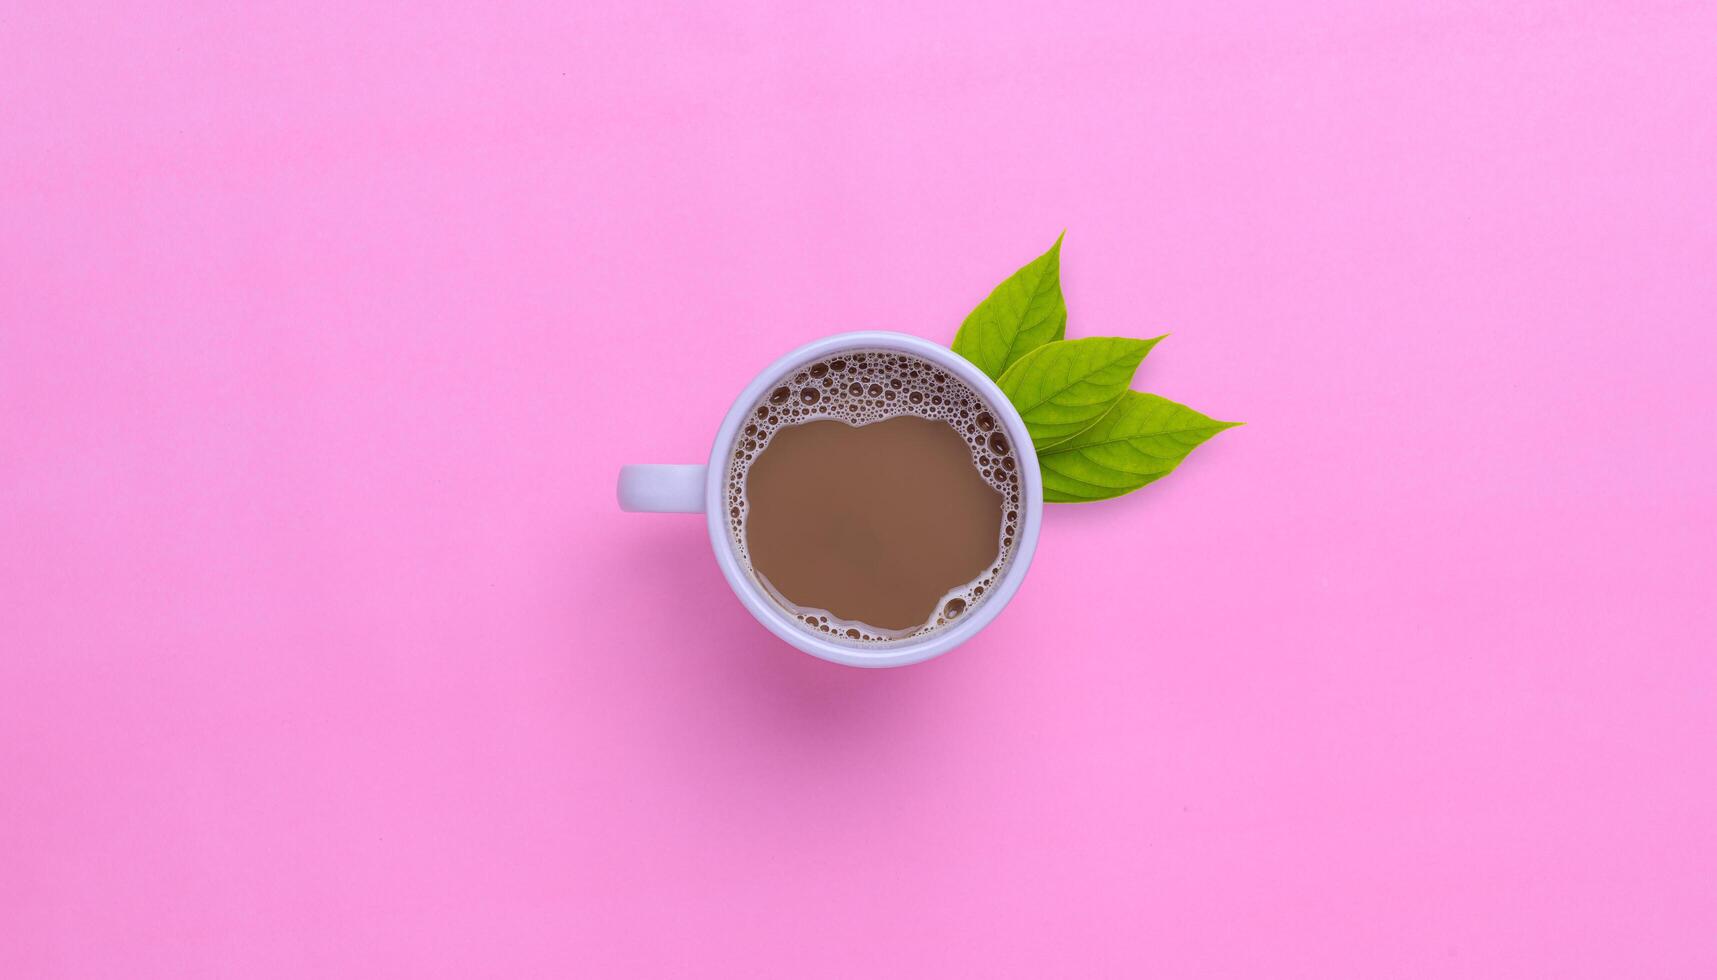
873, 496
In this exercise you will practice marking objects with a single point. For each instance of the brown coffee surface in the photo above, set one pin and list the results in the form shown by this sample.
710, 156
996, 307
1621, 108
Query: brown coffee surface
875, 523
841, 393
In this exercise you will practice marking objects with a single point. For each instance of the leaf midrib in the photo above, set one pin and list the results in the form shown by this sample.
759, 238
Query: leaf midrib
1008, 358
1143, 435
1069, 386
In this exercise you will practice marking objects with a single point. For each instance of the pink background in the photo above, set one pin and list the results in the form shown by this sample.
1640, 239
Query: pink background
325, 652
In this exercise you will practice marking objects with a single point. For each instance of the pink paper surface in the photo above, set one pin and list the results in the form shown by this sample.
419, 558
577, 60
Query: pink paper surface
324, 651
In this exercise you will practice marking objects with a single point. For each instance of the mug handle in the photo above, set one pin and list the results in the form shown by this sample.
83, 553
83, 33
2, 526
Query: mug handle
663, 488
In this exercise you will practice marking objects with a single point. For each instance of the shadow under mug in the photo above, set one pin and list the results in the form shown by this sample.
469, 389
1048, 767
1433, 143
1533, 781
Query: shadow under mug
702, 489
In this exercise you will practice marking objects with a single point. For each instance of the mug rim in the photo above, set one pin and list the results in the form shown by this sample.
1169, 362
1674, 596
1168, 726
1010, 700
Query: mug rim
894, 653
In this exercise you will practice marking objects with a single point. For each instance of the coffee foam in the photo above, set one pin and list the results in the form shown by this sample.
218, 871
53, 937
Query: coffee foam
859, 387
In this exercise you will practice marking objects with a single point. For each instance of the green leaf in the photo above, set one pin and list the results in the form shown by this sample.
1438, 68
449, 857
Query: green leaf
1143, 438
1026, 310
1064, 386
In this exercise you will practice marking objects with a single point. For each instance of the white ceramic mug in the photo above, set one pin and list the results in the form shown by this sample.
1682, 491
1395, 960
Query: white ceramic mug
702, 489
